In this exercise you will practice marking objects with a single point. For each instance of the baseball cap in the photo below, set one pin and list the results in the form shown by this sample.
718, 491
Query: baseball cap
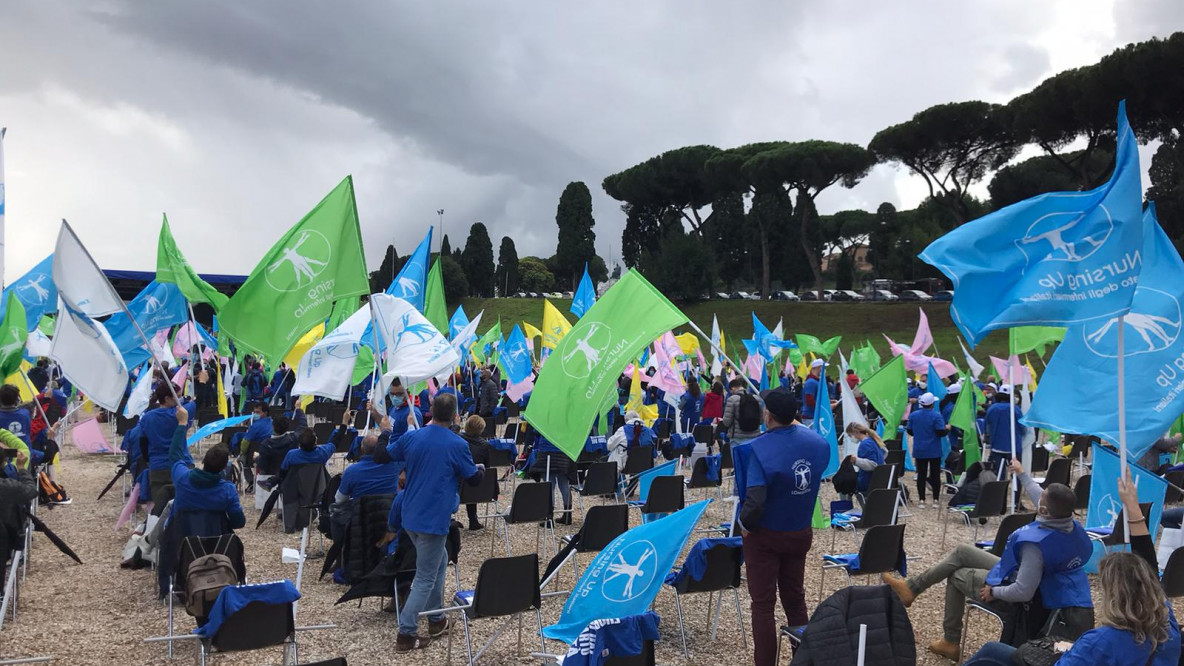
956, 387
818, 363
781, 403
927, 399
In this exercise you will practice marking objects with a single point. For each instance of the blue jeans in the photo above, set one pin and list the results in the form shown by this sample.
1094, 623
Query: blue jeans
992, 654
427, 591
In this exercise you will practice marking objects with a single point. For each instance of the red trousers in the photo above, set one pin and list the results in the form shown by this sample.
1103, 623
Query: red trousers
776, 563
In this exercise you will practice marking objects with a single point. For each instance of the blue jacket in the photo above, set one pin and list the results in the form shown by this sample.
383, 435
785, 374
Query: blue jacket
927, 428
318, 456
437, 461
789, 462
398, 416
17, 422
158, 426
690, 408
198, 490
1064, 582
1107, 646
998, 429
868, 450
809, 396
367, 477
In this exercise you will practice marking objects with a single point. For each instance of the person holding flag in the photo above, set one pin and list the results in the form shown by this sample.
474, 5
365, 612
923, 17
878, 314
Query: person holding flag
782, 476
810, 391
926, 427
1004, 433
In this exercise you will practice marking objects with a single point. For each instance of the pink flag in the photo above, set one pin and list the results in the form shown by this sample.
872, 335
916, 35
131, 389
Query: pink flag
924, 339
919, 362
186, 338
433, 388
516, 391
128, 507
1020, 372
753, 367
88, 437
181, 375
702, 361
666, 377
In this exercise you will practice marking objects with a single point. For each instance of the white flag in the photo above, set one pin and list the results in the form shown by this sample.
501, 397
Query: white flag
141, 393
89, 358
415, 350
851, 411
976, 368
81, 285
465, 336
38, 344
716, 364
327, 368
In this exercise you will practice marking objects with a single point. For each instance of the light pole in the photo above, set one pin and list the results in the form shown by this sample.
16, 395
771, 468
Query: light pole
440, 212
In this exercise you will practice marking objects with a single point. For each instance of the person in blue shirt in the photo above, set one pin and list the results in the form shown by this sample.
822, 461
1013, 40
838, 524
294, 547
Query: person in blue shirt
247, 443
926, 427
306, 453
554, 466
14, 418
157, 425
810, 391
437, 462
782, 477
946, 407
999, 431
690, 405
201, 489
368, 476
399, 409
868, 456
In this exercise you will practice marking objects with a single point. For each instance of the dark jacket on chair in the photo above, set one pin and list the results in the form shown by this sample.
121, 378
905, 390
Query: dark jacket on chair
367, 528
832, 637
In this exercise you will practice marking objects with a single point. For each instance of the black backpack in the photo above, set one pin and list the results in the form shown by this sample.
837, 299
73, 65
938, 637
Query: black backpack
748, 413
255, 382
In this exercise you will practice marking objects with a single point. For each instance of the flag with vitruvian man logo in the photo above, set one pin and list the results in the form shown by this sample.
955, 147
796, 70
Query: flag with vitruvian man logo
1057, 259
584, 367
318, 261
1078, 390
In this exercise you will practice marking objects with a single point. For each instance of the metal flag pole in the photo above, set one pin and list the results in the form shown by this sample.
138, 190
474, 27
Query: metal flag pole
377, 367
1122, 470
719, 351
1011, 414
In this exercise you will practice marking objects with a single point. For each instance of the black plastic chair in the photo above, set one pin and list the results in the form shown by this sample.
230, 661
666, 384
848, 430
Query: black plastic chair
532, 503
601, 525
485, 493
600, 481
323, 430
1081, 490
880, 552
208, 415
879, 509
666, 495
1007, 527
333, 413
723, 573
638, 460
883, 477
506, 587
500, 458
699, 477
1175, 482
510, 431
1173, 575
1117, 536
704, 434
193, 547
1058, 472
490, 431
895, 457
992, 501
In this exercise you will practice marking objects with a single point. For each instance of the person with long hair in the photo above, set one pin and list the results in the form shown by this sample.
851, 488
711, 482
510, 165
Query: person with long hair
1136, 624
713, 402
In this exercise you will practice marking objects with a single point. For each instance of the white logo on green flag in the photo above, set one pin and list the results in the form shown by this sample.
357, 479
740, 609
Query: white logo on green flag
581, 359
302, 258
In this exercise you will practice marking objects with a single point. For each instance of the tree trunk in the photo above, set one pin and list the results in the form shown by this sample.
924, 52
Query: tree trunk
764, 262
803, 224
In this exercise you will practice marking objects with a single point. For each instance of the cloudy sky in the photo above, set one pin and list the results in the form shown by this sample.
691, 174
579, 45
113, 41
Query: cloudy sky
235, 118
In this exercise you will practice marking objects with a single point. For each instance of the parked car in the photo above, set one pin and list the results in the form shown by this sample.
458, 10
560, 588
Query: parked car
785, 296
568, 294
846, 295
882, 295
813, 295
719, 295
914, 295
520, 294
944, 295
744, 296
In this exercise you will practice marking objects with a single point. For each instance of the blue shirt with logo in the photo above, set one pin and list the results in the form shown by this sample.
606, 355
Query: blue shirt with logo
437, 461
789, 462
17, 422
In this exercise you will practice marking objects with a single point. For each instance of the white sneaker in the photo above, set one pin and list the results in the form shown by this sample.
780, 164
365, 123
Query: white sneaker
921, 505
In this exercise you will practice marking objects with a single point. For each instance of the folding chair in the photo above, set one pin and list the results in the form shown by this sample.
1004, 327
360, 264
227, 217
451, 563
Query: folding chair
323, 430
1173, 575
883, 477
1058, 472
510, 432
1007, 526
600, 481
1040, 462
333, 413
699, 475
485, 493
1081, 490
894, 458
720, 562
1175, 482
199, 546
992, 501
601, 525
879, 552
703, 434
666, 495
532, 503
879, 509
638, 460
506, 587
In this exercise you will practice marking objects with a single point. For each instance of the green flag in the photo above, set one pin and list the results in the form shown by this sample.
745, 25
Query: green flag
865, 361
963, 418
172, 267
342, 310
1023, 339
774, 375
14, 331
494, 334
318, 261
434, 309
888, 392
47, 325
584, 367
819, 521
810, 344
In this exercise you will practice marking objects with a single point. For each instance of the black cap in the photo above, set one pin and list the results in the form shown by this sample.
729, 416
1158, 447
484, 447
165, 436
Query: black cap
781, 403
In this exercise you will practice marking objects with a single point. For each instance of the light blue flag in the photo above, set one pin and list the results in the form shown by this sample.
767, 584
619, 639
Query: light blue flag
412, 279
752, 347
1104, 503
764, 377
35, 290
458, 322
208, 340
1077, 391
646, 479
1058, 259
211, 428
515, 357
935, 385
585, 295
824, 424
626, 576
159, 305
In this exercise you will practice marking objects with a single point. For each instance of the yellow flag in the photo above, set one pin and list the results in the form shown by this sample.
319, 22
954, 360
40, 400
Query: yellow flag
1031, 375
555, 325
803, 370
305, 401
531, 332
304, 344
688, 342
648, 413
223, 409
21, 381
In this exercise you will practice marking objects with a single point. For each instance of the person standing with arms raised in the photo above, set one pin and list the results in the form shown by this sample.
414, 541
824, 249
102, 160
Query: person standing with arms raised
782, 475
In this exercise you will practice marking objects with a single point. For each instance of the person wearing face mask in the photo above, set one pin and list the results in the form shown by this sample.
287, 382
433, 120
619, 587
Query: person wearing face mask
1047, 555
399, 410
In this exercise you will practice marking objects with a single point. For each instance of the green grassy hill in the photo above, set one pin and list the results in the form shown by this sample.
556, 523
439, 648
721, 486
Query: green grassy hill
856, 322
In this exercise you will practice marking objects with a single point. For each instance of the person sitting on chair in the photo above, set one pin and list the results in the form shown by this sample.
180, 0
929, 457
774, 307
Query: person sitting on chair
868, 456
631, 435
1049, 554
202, 489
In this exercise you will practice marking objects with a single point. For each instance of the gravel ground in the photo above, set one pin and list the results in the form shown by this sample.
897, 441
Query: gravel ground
99, 614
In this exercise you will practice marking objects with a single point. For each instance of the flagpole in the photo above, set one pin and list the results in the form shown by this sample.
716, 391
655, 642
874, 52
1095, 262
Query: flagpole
721, 352
1011, 414
373, 373
123, 307
36, 394
1122, 414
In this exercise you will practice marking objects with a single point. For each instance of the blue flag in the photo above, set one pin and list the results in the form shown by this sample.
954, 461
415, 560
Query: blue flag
458, 322
159, 305
935, 385
824, 424
35, 290
412, 279
515, 357
211, 428
1057, 259
627, 574
1104, 503
1078, 391
585, 295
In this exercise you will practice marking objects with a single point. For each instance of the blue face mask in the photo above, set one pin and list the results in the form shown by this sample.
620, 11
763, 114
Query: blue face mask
399, 400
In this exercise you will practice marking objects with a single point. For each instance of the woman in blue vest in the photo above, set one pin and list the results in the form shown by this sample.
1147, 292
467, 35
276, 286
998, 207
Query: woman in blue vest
926, 427
1137, 626
868, 456
690, 405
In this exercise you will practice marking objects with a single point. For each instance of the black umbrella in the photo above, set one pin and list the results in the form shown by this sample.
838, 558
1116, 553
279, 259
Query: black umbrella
268, 506
118, 473
55, 539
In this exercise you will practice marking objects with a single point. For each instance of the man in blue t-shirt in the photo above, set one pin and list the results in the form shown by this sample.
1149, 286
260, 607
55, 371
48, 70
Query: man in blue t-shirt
400, 408
999, 430
437, 461
782, 477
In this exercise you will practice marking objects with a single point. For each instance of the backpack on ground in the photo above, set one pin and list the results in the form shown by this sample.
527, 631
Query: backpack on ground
50, 492
748, 413
206, 576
